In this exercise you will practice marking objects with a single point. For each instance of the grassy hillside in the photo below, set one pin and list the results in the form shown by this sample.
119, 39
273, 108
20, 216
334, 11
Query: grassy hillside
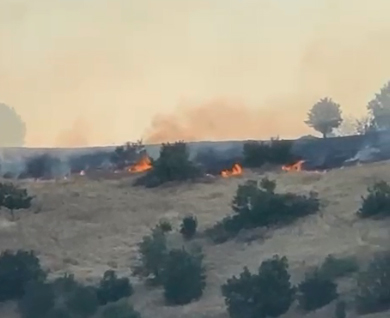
87, 226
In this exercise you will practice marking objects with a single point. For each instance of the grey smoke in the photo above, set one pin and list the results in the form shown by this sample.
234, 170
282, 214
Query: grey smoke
12, 127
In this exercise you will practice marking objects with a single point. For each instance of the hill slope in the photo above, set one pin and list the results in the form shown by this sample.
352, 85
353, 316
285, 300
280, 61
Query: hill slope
87, 226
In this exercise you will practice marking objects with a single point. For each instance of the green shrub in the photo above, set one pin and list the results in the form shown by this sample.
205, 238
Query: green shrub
37, 301
153, 251
164, 226
188, 227
269, 293
128, 154
334, 268
184, 277
260, 206
112, 288
377, 202
14, 198
41, 166
120, 309
373, 293
340, 309
173, 164
82, 301
16, 270
316, 291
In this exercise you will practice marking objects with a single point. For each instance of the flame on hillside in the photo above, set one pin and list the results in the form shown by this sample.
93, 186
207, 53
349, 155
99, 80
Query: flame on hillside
143, 165
235, 171
294, 167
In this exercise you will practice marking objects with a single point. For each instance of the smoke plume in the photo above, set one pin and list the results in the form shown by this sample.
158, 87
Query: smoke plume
125, 66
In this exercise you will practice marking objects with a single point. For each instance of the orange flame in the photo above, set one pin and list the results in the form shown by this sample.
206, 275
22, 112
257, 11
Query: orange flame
294, 167
143, 165
236, 170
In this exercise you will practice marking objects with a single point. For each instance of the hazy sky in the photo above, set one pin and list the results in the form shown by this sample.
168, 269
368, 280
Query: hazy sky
89, 72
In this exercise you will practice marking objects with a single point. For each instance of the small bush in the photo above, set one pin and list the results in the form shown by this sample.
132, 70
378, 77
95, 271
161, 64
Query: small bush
377, 202
269, 293
334, 268
37, 301
373, 293
262, 207
316, 291
164, 226
184, 277
188, 227
120, 309
340, 309
82, 301
14, 198
173, 164
153, 251
92, 160
17, 269
112, 288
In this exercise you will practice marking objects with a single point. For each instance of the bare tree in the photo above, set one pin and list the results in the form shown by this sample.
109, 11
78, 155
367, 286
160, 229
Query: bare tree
324, 116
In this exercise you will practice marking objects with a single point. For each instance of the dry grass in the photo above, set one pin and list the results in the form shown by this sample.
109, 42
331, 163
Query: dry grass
86, 226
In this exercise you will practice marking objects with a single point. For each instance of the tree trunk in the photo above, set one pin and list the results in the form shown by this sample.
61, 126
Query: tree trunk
324, 135
11, 211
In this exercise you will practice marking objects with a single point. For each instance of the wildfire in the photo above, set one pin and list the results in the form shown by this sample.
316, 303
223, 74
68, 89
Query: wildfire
236, 170
294, 167
143, 165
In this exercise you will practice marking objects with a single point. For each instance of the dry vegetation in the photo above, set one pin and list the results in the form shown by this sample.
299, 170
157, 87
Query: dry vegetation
86, 226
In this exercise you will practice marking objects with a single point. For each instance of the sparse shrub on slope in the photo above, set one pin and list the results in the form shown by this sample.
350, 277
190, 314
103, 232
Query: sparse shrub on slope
316, 291
120, 309
173, 164
153, 252
260, 206
188, 227
340, 309
17, 269
373, 294
377, 201
82, 301
14, 198
184, 277
112, 288
334, 267
269, 293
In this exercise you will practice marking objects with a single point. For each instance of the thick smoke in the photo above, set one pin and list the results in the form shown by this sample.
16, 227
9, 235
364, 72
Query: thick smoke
117, 63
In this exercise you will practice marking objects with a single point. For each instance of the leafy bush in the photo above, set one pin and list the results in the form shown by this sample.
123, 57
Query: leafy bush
188, 227
334, 268
14, 198
316, 291
257, 206
269, 293
153, 251
120, 309
373, 293
184, 277
213, 161
275, 151
37, 301
112, 288
17, 269
377, 202
93, 160
173, 164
